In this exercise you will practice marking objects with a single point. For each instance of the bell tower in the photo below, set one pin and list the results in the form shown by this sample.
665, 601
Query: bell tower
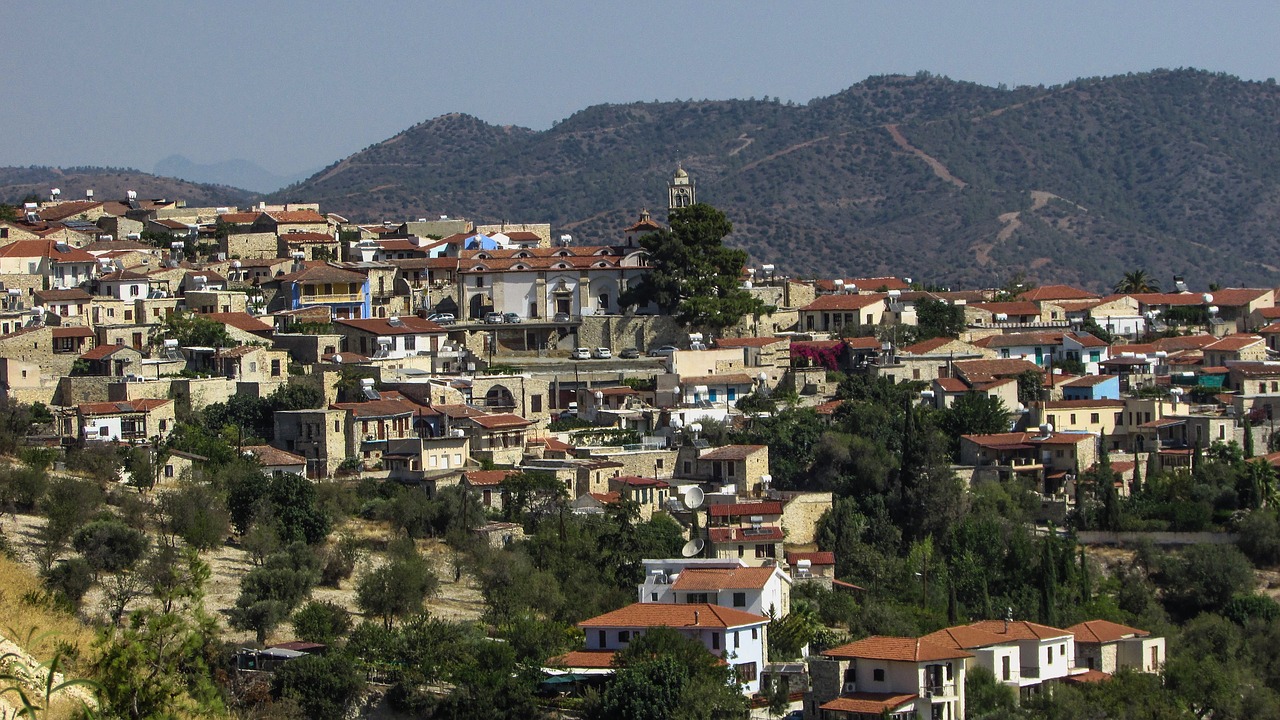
681, 192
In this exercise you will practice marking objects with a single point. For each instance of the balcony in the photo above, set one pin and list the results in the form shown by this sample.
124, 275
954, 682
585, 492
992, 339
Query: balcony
308, 299
940, 690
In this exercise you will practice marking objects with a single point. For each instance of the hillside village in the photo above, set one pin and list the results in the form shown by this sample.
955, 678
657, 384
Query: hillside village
444, 357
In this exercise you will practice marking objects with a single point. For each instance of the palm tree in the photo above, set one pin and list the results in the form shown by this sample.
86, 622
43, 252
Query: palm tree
1137, 281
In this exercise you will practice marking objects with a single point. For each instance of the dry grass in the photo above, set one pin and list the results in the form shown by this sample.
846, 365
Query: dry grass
51, 629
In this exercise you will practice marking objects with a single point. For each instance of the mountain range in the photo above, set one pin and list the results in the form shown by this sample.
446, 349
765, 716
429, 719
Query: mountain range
239, 173
951, 183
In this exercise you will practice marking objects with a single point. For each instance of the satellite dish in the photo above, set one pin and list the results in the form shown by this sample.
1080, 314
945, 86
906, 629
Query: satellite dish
337, 359
693, 548
693, 498
676, 422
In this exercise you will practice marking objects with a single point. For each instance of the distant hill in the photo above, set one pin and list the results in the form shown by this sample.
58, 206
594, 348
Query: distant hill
17, 183
943, 181
237, 173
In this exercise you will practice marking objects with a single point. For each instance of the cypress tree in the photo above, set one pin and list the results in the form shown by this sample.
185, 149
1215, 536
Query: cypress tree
1248, 438
1135, 487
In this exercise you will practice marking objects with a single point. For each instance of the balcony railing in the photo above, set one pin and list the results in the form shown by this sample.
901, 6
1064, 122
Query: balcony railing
944, 689
331, 298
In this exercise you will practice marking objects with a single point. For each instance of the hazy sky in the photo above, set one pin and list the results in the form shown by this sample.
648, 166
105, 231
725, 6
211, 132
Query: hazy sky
294, 85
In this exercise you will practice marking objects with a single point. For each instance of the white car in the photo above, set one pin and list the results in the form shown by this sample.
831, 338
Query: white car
601, 353
580, 354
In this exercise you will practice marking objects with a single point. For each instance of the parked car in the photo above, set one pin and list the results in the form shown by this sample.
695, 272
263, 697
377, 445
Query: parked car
629, 354
561, 318
602, 353
511, 318
580, 354
664, 351
442, 318
495, 318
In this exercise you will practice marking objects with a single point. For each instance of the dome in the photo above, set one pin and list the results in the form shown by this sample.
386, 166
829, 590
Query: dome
680, 173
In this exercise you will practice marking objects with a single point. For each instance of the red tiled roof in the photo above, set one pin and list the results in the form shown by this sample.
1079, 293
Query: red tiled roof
828, 408
275, 457
951, 385
1056, 292
966, 637
487, 477
1103, 631
902, 649
1089, 380
409, 325
1020, 629
638, 481
593, 659
45, 248
72, 332
674, 615
102, 351
503, 420
733, 452
925, 347
240, 218
868, 703
297, 216
74, 294
842, 302
322, 273
739, 578
740, 509
1009, 308
64, 210
120, 408
814, 558
1088, 676
1235, 297
1234, 343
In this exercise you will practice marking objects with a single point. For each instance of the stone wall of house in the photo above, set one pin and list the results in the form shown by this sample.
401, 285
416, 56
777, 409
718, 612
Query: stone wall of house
251, 245
641, 463
800, 516
151, 389
194, 394
619, 332
36, 346
73, 390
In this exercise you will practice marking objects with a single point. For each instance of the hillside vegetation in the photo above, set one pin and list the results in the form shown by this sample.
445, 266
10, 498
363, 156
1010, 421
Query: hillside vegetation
944, 181
19, 183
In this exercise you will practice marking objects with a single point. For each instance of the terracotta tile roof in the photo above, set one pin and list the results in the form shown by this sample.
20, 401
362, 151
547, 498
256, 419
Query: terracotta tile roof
739, 578
814, 558
64, 210
391, 404
322, 274
45, 248
1234, 343
239, 321
102, 351
593, 659
487, 478
240, 218
409, 325
966, 637
748, 508
1272, 328
348, 358
864, 284
275, 457
1256, 369
107, 246
1020, 629
951, 385
1187, 298
172, 224
621, 391
863, 343
72, 331
842, 302
868, 703
976, 370
297, 216
497, 422
1056, 292
639, 615
828, 408
638, 481
121, 408
733, 452
298, 238
901, 649
48, 296
725, 379
1235, 297
757, 342
1102, 631
459, 411
1088, 676
123, 276
608, 498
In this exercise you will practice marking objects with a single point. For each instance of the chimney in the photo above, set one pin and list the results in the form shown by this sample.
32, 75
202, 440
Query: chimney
695, 617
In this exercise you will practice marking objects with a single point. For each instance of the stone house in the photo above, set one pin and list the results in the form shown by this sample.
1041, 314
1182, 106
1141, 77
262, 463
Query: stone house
317, 435
896, 677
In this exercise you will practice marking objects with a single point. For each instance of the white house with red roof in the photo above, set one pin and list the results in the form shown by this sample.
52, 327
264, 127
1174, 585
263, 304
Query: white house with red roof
1019, 653
739, 638
728, 583
830, 313
133, 421
882, 676
65, 267
1107, 646
392, 338
124, 285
